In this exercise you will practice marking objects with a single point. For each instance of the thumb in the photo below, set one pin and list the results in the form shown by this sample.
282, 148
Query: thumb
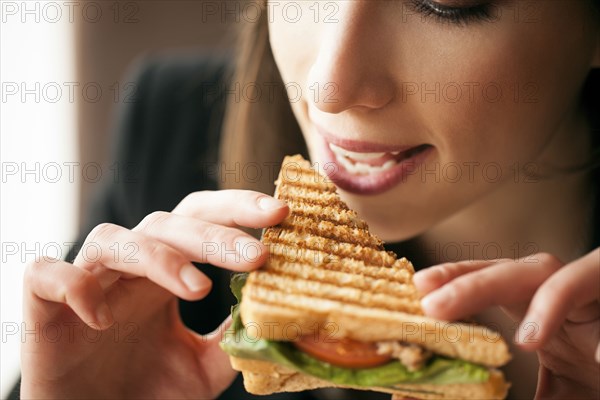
218, 334
214, 361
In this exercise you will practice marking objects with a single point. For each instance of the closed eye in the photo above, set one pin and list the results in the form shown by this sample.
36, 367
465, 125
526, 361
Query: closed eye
454, 14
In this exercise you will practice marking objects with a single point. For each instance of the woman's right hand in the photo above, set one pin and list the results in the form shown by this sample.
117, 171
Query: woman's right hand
108, 325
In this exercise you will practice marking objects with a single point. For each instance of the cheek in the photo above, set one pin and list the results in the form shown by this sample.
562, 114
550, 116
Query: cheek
294, 49
293, 43
499, 100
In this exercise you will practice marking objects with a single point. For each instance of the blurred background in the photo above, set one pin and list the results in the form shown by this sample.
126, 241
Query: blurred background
62, 71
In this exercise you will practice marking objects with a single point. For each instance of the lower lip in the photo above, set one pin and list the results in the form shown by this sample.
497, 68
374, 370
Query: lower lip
371, 184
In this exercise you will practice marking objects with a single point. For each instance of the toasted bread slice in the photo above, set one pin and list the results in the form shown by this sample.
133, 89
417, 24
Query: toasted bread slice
326, 271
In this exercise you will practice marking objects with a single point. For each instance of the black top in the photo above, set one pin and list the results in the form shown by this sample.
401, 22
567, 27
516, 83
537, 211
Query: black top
165, 139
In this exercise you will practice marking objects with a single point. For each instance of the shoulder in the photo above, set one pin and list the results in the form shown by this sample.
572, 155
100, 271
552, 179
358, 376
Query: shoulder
166, 87
174, 77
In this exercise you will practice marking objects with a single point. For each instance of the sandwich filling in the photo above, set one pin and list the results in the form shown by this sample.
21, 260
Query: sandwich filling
411, 355
343, 352
382, 364
351, 353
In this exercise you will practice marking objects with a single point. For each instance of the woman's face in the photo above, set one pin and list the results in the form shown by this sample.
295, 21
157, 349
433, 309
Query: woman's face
432, 107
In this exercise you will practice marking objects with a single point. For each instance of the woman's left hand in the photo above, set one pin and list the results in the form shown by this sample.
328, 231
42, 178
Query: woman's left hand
557, 307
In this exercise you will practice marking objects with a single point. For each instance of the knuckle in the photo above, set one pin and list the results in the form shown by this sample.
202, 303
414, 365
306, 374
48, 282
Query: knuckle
450, 267
473, 285
553, 290
446, 270
159, 253
79, 284
32, 272
102, 232
548, 261
463, 285
189, 205
214, 233
197, 196
153, 219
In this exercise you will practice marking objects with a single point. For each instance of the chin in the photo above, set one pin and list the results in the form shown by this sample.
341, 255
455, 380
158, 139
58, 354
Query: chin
394, 231
389, 226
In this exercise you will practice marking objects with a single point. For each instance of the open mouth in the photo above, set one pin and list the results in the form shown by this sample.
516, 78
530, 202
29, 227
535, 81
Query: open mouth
372, 163
369, 168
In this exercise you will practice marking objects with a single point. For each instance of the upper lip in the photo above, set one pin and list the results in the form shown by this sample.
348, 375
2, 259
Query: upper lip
360, 146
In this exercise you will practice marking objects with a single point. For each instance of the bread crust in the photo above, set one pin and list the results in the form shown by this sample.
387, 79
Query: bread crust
263, 377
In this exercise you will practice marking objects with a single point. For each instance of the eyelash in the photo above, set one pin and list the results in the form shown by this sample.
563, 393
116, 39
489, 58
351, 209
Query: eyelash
455, 15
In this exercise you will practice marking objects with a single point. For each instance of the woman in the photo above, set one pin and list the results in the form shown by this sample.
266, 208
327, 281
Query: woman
481, 115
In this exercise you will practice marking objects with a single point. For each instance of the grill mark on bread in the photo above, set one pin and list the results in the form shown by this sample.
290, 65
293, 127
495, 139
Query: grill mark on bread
301, 258
301, 300
306, 272
326, 212
323, 254
311, 202
311, 187
293, 238
332, 230
337, 292
300, 192
339, 220
325, 268
349, 238
306, 178
302, 172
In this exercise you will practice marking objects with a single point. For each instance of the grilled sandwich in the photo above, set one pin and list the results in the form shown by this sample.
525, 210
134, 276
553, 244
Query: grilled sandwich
331, 307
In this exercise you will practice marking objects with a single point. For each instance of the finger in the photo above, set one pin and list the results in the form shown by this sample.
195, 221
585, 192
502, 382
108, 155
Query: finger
61, 282
217, 362
502, 284
149, 258
205, 242
218, 334
432, 278
573, 288
234, 208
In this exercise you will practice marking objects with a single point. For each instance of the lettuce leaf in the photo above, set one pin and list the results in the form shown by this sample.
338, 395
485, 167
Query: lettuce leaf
438, 370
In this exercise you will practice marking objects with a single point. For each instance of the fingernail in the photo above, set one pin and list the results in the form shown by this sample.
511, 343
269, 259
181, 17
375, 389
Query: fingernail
437, 299
268, 203
104, 315
192, 278
598, 354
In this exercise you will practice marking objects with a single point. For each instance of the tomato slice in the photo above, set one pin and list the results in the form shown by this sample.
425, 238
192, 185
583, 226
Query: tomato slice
343, 352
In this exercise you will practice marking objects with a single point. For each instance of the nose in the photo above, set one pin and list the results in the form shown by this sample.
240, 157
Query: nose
351, 70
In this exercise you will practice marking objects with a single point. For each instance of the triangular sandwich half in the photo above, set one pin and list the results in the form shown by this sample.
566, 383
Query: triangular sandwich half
332, 308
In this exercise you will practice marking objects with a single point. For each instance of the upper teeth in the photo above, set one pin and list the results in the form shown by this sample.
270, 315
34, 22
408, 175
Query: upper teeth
354, 155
